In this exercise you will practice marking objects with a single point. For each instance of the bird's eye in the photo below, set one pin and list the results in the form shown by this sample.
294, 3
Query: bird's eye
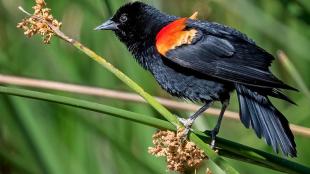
123, 18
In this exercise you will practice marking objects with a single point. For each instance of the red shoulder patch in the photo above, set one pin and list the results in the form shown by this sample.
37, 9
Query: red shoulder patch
174, 35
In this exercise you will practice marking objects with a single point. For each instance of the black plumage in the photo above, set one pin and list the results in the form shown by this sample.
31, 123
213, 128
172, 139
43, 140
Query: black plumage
207, 67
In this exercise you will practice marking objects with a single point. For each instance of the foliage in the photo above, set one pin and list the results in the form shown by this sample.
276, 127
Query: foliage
35, 133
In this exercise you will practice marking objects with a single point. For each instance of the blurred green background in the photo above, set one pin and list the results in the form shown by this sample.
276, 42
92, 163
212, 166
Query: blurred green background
56, 139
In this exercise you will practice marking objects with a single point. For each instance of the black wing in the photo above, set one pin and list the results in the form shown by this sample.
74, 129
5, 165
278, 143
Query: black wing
228, 56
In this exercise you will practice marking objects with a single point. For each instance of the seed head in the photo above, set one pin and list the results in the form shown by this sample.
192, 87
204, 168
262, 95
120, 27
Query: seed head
39, 22
180, 156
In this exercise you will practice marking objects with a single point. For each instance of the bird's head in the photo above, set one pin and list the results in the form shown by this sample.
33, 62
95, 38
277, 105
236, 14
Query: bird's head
136, 22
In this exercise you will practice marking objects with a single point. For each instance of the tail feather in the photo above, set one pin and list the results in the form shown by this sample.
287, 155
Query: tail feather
278, 94
258, 112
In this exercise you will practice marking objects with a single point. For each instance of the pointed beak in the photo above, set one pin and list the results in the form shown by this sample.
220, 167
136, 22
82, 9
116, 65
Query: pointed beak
108, 25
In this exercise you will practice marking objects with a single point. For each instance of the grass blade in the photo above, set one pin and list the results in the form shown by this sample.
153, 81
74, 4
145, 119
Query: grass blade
228, 148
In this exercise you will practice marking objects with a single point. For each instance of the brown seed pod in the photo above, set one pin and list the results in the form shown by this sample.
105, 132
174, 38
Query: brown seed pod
179, 156
39, 22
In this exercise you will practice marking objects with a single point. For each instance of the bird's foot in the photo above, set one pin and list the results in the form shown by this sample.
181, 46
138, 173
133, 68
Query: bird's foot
187, 123
213, 134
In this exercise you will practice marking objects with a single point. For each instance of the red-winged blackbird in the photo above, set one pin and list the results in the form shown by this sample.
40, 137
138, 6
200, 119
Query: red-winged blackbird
205, 61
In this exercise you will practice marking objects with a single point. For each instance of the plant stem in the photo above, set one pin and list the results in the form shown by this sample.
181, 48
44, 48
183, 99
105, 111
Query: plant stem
227, 148
250, 155
125, 96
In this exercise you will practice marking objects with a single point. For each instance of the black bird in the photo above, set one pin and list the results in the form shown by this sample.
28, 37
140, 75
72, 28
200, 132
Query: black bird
204, 62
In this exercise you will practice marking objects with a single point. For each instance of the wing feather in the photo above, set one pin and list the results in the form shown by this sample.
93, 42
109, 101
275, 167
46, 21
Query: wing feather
226, 58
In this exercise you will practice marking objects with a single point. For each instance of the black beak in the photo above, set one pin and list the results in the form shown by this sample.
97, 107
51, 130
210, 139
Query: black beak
108, 25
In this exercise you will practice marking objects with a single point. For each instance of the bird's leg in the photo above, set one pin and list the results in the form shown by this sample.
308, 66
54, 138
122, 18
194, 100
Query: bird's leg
189, 122
216, 129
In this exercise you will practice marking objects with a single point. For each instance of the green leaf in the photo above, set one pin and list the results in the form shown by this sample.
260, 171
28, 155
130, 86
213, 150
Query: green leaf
227, 148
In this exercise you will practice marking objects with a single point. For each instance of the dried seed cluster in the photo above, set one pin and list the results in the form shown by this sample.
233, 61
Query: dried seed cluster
39, 22
180, 156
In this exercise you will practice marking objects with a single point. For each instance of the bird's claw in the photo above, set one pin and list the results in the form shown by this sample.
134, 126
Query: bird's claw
184, 135
187, 123
213, 134
182, 120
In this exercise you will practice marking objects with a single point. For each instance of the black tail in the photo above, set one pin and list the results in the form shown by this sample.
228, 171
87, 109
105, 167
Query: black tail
258, 112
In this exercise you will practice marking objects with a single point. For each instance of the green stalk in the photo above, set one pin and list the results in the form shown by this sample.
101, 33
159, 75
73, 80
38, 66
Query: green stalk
254, 156
139, 118
227, 148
